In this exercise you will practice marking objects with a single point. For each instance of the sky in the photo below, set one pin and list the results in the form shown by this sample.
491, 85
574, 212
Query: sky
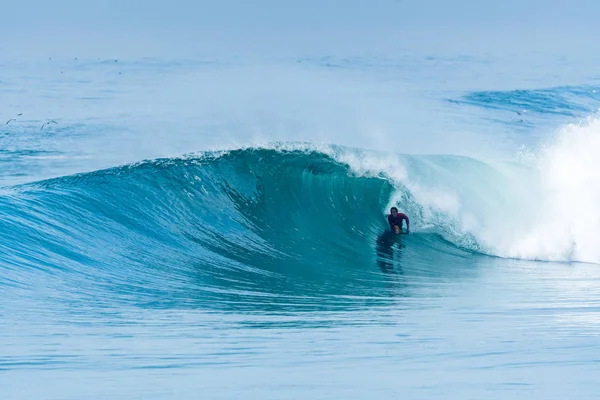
185, 27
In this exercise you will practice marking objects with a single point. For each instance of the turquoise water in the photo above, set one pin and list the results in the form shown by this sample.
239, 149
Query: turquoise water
214, 227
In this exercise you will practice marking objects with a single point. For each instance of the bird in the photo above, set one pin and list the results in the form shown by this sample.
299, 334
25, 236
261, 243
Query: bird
13, 119
46, 123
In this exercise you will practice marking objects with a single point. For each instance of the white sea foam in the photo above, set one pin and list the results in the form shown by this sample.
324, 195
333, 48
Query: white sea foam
547, 210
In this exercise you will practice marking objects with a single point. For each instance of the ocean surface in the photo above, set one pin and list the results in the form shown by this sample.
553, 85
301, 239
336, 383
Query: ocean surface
215, 227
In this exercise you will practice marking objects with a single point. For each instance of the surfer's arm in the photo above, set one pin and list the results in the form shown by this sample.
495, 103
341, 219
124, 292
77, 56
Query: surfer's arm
405, 217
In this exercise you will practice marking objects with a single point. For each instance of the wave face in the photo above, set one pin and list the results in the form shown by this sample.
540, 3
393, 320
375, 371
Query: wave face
293, 223
240, 228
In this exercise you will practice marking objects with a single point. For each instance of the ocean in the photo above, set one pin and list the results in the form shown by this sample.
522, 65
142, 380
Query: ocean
214, 226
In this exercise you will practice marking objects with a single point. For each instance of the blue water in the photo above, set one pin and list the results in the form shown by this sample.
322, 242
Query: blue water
214, 227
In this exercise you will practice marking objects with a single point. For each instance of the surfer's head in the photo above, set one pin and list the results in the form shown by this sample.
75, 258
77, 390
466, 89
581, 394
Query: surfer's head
394, 211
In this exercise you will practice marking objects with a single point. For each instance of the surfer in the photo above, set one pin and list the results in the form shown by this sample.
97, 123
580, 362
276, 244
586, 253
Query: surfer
395, 219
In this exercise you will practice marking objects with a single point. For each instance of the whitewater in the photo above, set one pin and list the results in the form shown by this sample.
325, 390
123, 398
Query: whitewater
209, 225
